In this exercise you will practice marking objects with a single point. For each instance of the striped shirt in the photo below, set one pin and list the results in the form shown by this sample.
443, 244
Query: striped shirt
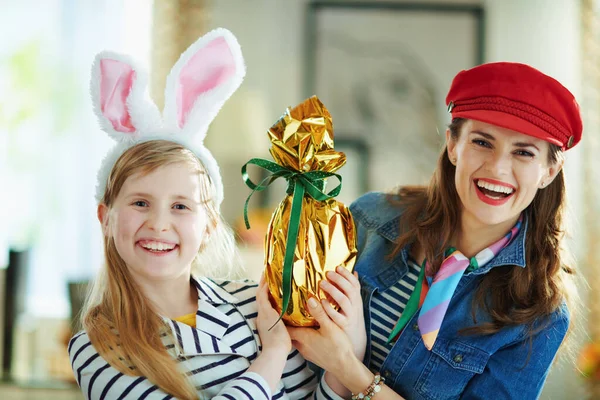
386, 309
215, 355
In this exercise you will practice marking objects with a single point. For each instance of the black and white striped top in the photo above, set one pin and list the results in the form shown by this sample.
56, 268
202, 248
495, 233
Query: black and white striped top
386, 309
216, 354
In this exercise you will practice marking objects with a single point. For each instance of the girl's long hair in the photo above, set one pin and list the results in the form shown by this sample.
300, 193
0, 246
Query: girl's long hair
511, 295
121, 322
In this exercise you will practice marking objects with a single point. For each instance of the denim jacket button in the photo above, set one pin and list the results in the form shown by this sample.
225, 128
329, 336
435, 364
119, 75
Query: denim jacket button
458, 358
416, 327
386, 373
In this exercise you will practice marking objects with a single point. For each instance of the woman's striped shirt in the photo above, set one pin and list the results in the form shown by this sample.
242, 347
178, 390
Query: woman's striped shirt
386, 309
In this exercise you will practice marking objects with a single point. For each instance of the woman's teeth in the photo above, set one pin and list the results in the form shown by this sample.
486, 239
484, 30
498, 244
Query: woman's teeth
502, 190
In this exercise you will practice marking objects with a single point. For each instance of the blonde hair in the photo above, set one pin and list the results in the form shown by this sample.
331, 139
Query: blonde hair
121, 322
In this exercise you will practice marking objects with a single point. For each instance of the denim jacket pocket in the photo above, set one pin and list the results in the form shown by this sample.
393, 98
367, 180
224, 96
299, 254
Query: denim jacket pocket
450, 367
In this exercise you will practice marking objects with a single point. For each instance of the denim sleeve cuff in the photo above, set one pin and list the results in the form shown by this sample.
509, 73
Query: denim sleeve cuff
249, 385
324, 392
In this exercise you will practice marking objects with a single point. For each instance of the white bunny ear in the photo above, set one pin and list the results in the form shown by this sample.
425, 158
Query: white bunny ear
203, 78
120, 98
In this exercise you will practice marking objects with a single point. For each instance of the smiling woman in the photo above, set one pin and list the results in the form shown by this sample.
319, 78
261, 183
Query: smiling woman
465, 289
498, 171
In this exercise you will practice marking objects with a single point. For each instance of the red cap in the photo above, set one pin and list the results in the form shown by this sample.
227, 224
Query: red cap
517, 97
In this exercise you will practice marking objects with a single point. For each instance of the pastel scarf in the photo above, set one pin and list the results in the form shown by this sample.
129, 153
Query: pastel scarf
433, 294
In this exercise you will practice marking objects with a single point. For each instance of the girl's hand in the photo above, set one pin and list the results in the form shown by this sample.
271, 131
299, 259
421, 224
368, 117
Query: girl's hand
276, 343
276, 339
344, 288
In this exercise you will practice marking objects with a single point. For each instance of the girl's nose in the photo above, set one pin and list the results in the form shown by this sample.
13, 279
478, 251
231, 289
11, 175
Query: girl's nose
158, 221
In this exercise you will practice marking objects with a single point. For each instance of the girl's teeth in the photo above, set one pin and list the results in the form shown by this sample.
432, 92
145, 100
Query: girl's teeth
157, 246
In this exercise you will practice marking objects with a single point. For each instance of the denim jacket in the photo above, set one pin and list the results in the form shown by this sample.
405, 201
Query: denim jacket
509, 364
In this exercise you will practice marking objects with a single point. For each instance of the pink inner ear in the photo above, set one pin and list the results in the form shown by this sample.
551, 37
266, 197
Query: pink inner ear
116, 79
207, 69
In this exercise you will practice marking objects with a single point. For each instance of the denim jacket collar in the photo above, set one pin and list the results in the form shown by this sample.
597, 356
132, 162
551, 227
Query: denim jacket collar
513, 254
391, 271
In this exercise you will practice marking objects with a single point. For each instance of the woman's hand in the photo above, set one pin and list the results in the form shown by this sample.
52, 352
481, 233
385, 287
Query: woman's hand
331, 349
277, 338
344, 288
338, 346
328, 346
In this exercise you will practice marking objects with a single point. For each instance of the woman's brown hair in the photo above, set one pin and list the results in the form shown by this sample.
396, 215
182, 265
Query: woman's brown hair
511, 296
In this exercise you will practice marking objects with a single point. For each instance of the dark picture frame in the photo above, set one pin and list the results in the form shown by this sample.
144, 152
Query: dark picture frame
382, 68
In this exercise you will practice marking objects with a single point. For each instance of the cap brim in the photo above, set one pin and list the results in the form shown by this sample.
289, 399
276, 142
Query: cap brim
508, 121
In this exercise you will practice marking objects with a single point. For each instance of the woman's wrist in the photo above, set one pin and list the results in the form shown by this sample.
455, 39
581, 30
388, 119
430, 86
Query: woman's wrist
371, 390
335, 385
354, 375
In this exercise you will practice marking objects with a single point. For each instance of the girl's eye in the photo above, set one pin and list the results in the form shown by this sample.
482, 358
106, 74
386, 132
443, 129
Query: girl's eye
481, 143
140, 203
524, 153
180, 207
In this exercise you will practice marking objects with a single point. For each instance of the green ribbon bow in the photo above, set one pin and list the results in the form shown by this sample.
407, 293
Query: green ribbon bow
299, 183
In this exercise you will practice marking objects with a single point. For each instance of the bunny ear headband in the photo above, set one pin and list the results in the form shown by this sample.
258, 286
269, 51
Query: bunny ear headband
199, 83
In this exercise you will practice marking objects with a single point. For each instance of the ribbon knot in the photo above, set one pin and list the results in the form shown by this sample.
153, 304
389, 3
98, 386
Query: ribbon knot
311, 183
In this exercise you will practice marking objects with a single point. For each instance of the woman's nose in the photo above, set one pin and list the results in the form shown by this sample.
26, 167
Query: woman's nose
499, 163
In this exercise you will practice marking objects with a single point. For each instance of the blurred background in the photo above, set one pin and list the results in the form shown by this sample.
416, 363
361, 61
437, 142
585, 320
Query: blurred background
381, 67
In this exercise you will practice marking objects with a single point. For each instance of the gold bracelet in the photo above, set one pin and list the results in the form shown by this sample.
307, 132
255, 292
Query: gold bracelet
372, 390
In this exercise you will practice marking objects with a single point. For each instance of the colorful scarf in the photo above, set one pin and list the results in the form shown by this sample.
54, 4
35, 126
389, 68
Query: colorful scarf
433, 294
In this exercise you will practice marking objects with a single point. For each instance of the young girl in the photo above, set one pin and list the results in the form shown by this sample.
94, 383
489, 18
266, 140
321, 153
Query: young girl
154, 328
464, 286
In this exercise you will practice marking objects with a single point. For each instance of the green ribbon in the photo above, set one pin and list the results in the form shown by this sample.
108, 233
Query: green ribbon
299, 183
412, 306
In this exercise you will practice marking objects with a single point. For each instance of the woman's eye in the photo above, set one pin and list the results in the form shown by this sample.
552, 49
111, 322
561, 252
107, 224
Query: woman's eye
481, 142
524, 153
180, 207
140, 203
